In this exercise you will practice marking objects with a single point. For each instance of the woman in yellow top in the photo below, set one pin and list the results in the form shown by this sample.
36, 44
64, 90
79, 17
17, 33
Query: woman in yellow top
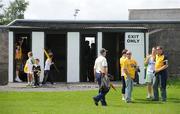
122, 59
129, 68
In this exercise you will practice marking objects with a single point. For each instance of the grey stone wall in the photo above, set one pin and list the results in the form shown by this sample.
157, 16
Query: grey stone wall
169, 39
3, 56
154, 14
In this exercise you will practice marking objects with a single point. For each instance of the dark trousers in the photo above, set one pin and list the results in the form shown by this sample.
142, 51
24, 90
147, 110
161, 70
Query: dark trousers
36, 80
160, 79
101, 97
47, 75
123, 84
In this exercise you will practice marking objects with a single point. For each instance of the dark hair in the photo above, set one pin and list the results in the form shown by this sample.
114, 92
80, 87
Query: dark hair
124, 51
159, 47
37, 60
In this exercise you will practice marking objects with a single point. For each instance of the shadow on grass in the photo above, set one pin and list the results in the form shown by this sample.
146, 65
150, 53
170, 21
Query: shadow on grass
174, 100
145, 101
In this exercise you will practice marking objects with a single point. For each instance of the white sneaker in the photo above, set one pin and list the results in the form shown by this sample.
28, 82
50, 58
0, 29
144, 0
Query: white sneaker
17, 79
123, 98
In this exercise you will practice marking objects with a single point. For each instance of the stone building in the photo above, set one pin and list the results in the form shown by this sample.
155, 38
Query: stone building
164, 34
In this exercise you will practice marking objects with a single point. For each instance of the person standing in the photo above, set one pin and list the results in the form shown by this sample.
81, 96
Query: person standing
150, 71
161, 66
30, 62
36, 71
129, 68
101, 76
122, 59
47, 70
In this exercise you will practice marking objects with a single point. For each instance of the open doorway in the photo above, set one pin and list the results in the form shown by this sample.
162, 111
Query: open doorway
57, 44
22, 45
114, 43
87, 57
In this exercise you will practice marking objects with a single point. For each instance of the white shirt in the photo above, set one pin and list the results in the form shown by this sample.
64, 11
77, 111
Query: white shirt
151, 65
30, 64
100, 63
48, 63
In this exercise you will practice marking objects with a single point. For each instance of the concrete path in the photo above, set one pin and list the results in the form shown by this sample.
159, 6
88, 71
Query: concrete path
57, 87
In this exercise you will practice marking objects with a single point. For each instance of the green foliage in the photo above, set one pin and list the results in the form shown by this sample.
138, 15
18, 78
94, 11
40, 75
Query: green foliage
15, 10
80, 102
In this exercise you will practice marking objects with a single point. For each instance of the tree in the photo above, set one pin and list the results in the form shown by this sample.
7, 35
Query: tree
15, 10
1, 12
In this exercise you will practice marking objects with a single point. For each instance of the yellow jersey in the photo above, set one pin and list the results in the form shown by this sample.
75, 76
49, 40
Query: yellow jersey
130, 65
160, 61
121, 61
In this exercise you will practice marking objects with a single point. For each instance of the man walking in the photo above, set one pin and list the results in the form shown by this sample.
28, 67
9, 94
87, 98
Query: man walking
101, 76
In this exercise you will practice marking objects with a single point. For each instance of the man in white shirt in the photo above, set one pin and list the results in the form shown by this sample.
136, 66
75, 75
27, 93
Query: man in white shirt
100, 66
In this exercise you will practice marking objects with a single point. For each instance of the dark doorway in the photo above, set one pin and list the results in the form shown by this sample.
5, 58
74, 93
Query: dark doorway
57, 44
22, 45
87, 57
114, 43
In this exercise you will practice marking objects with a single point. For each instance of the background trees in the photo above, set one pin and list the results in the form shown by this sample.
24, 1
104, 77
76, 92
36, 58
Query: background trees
15, 10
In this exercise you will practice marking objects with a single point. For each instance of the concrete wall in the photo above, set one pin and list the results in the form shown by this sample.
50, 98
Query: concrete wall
154, 14
3, 57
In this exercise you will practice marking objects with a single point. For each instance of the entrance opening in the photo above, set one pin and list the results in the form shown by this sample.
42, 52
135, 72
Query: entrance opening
57, 44
114, 43
22, 45
87, 57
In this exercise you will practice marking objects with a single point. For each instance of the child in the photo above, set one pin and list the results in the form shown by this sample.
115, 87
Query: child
47, 72
104, 89
30, 62
36, 71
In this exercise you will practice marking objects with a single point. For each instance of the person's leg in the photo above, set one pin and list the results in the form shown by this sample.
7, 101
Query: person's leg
103, 100
163, 80
123, 87
128, 90
98, 78
46, 73
35, 80
155, 87
51, 77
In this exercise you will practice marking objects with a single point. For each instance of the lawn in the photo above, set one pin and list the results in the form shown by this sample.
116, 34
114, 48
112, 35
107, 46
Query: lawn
80, 102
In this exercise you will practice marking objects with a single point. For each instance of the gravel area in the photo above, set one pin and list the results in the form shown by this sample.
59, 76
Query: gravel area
56, 87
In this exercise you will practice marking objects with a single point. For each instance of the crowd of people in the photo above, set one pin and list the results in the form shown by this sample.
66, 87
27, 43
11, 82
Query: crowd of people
156, 74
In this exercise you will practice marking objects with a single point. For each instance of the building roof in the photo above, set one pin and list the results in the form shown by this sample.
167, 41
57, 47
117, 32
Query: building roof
84, 24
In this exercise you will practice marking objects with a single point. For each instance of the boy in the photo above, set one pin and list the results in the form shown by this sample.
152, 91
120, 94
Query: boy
36, 71
103, 90
47, 70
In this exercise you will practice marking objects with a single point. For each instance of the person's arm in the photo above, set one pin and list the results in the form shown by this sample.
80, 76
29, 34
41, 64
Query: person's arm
147, 59
124, 67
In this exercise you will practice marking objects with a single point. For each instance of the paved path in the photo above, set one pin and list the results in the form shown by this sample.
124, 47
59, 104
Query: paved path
57, 87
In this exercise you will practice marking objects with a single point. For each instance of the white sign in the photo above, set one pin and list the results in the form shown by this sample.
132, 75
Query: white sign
134, 42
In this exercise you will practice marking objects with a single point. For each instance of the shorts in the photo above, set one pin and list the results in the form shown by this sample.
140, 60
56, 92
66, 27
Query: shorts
149, 77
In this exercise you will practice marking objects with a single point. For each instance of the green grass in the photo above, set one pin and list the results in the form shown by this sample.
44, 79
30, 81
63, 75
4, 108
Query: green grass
80, 102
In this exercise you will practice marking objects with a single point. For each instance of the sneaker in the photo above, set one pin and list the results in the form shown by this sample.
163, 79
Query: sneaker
95, 101
127, 101
155, 99
123, 98
17, 79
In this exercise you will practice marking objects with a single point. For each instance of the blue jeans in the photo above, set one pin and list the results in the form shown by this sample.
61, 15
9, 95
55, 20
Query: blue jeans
101, 97
98, 78
160, 78
129, 88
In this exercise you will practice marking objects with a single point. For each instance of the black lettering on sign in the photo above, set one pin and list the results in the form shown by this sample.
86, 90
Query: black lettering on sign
133, 39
